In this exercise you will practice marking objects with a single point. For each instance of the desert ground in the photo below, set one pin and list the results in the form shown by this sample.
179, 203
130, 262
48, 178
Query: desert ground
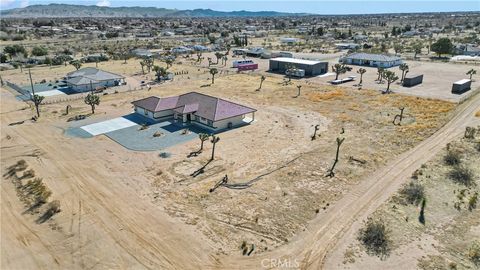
128, 209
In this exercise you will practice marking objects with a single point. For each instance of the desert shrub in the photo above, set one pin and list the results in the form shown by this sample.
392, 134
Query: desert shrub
472, 202
452, 157
413, 193
28, 174
21, 165
374, 236
474, 253
38, 192
462, 175
52, 208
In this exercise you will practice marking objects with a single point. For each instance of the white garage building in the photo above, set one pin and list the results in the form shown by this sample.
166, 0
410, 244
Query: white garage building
195, 108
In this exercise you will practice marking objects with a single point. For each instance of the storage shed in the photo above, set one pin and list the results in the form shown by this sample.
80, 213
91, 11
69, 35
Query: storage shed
311, 67
412, 80
461, 86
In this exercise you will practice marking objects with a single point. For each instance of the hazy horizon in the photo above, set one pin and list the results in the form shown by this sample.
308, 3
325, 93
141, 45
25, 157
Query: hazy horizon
313, 7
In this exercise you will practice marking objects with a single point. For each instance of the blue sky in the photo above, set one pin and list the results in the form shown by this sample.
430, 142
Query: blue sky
312, 6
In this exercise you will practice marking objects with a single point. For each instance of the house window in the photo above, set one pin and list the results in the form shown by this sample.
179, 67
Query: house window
210, 122
145, 112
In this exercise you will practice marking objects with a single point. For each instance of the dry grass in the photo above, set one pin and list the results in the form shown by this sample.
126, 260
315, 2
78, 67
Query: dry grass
477, 114
335, 94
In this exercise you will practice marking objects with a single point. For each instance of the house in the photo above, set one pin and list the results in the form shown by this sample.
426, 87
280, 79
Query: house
467, 49
372, 60
195, 108
289, 41
255, 52
347, 46
89, 78
311, 67
141, 53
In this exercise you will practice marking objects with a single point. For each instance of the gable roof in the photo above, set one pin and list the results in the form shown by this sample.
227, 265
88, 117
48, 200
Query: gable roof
211, 108
373, 57
91, 74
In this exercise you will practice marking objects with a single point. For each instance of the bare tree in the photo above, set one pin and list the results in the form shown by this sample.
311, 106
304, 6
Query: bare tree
399, 117
331, 172
314, 136
261, 82
214, 141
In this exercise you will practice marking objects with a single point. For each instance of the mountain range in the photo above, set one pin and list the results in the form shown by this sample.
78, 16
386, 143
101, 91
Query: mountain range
65, 10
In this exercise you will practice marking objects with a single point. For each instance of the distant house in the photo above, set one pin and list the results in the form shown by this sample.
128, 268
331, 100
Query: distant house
347, 46
141, 53
255, 52
289, 40
195, 108
311, 67
467, 49
89, 78
180, 50
372, 60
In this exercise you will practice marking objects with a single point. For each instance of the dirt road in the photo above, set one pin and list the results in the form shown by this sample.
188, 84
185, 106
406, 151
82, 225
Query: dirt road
332, 231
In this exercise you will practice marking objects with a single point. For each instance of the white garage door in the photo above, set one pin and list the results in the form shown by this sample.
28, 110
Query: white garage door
107, 126
50, 93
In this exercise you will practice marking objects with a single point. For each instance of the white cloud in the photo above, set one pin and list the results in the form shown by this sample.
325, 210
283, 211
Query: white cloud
24, 3
6, 3
103, 3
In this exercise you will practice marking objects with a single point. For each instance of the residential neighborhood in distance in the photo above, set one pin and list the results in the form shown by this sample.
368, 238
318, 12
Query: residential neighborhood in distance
240, 134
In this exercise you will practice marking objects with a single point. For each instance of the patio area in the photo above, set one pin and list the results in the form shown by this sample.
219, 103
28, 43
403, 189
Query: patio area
136, 132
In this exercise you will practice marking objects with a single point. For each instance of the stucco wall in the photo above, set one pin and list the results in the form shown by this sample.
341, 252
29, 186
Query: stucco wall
238, 120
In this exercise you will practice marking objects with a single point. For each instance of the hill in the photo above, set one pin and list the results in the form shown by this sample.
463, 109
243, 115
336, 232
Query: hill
65, 10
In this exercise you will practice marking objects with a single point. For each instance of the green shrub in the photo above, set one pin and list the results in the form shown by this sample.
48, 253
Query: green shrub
413, 193
452, 158
374, 236
474, 253
462, 175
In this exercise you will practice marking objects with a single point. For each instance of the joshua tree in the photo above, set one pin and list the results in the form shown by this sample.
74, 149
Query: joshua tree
417, 48
289, 70
213, 71
471, 72
148, 63
399, 116
421, 217
160, 72
218, 56
361, 71
203, 137
77, 64
199, 57
405, 69
398, 48
340, 69
314, 136
331, 172
380, 73
143, 64
67, 109
299, 87
36, 99
391, 77
92, 100
214, 142
261, 82
169, 62
224, 59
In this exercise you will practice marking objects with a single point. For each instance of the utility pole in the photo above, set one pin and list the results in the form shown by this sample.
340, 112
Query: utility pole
31, 82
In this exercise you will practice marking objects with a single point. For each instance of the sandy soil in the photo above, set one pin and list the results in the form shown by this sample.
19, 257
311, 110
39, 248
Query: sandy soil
139, 210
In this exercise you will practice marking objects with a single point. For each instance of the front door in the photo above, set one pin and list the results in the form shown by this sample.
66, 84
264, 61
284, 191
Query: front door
189, 117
